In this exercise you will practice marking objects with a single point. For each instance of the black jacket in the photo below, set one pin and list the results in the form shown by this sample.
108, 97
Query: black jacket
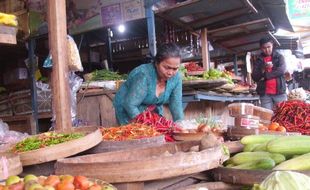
260, 76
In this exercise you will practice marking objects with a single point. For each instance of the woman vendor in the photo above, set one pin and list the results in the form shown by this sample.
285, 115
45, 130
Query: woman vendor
152, 84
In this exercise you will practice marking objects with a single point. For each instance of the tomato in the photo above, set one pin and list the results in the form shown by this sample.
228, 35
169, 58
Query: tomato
67, 178
281, 129
95, 187
273, 126
17, 186
65, 186
81, 182
52, 180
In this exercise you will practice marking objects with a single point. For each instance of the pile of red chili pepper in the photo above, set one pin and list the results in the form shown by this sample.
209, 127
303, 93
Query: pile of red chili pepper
294, 115
158, 122
193, 66
128, 132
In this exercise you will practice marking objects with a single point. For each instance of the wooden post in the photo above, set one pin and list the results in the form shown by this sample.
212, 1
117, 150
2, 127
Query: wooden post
58, 45
205, 49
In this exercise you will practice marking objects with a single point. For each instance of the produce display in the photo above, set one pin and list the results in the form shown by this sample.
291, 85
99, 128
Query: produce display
8, 19
210, 125
212, 74
54, 182
274, 126
284, 180
217, 74
105, 75
294, 115
128, 132
44, 140
262, 152
193, 66
158, 122
297, 94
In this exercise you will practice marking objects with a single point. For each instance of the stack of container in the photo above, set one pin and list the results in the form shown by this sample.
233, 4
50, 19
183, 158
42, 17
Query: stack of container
249, 116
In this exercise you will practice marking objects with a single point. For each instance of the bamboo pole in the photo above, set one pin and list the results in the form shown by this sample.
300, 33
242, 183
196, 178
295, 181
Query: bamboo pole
58, 45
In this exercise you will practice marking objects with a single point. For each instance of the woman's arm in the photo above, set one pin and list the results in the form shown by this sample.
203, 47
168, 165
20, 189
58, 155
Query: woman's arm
175, 101
137, 91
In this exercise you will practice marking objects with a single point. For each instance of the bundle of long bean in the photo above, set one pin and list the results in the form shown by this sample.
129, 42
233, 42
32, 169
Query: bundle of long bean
106, 75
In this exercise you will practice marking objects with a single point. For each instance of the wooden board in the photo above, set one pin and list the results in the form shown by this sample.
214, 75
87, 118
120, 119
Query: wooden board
108, 146
143, 164
212, 186
92, 138
243, 177
234, 146
9, 165
208, 84
236, 133
188, 136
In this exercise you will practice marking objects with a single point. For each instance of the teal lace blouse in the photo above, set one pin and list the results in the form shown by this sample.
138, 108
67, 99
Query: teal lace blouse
139, 92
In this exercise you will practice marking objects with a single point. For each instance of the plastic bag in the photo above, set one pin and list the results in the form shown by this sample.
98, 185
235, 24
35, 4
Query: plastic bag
75, 83
10, 137
74, 62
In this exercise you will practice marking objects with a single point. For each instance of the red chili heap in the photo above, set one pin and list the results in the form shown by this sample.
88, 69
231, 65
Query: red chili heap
161, 124
294, 115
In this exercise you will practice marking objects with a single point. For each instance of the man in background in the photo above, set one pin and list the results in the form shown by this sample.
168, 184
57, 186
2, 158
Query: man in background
269, 74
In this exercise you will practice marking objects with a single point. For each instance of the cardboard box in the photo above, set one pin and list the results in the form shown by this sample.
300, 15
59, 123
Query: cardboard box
8, 34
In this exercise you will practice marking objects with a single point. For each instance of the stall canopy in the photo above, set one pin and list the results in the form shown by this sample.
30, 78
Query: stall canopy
195, 14
242, 37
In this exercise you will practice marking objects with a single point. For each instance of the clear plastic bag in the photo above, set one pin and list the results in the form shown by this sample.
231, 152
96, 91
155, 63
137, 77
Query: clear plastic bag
75, 83
10, 137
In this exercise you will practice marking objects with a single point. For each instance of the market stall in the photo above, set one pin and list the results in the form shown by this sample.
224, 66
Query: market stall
153, 152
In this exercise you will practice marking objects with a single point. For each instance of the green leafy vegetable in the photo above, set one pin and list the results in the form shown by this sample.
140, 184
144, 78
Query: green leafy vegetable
44, 140
106, 75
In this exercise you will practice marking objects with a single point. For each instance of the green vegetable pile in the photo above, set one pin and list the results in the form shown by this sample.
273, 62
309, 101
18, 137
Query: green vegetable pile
44, 140
214, 74
105, 75
211, 74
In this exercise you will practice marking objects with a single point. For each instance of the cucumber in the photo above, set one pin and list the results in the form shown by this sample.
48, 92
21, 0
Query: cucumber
298, 163
250, 147
261, 148
257, 139
262, 164
290, 145
245, 157
278, 158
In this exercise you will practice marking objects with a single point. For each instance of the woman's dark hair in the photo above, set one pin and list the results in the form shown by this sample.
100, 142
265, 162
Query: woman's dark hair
265, 40
166, 51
